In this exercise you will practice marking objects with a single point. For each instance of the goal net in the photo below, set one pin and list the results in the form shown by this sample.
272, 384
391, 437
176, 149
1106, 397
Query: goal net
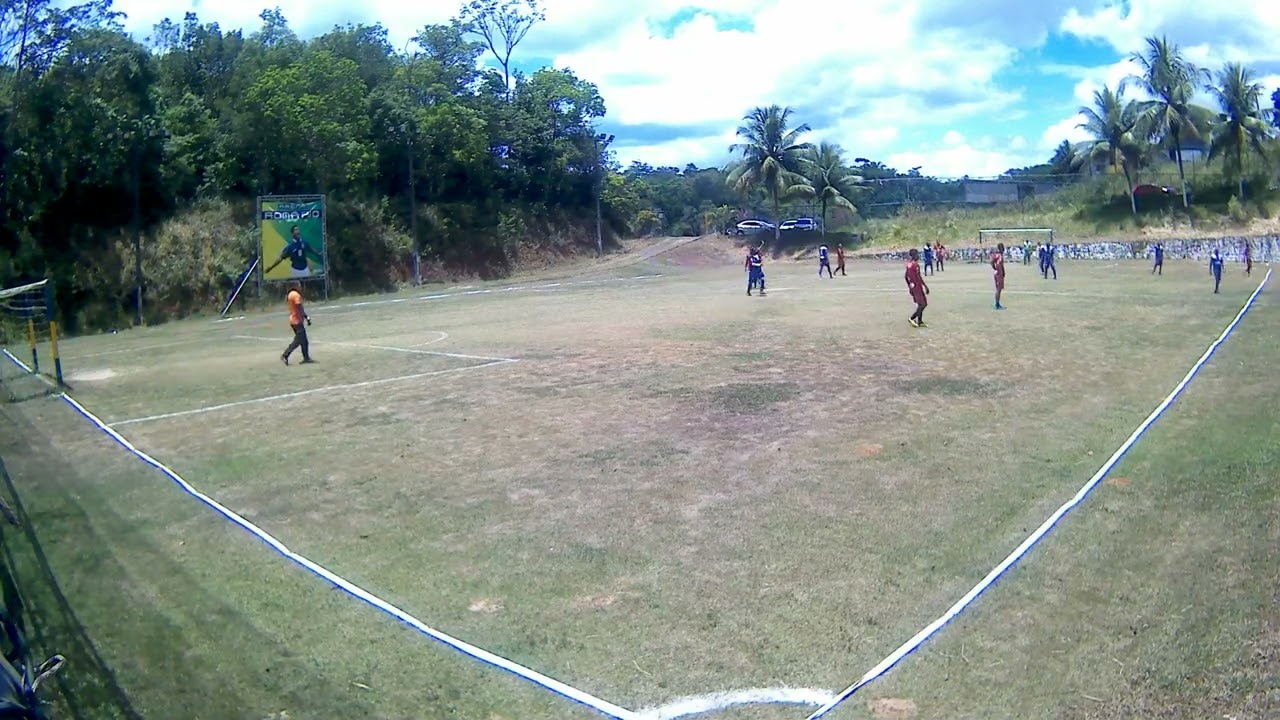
30, 365
1019, 243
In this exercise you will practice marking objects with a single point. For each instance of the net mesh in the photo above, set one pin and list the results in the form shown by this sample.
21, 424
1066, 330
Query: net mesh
1020, 243
25, 339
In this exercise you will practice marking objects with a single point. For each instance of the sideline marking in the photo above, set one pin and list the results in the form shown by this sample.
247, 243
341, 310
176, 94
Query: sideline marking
909, 646
142, 348
309, 391
360, 593
390, 348
28, 369
714, 702
443, 336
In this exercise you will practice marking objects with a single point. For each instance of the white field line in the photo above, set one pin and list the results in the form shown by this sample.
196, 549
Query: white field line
443, 336
310, 391
486, 291
484, 656
141, 348
909, 646
27, 368
388, 348
715, 702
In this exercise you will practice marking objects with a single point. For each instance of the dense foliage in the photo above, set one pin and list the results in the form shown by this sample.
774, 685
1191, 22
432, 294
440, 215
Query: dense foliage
442, 147
202, 120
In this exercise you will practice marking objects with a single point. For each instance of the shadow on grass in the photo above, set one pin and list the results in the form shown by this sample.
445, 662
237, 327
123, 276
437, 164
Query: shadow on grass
189, 652
88, 688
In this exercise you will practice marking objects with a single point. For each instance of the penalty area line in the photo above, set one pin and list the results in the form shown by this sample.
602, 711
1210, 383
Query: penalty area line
309, 391
388, 348
911, 645
358, 592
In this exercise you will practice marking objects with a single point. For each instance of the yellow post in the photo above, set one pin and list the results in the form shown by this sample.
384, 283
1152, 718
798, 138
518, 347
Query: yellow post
53, 341
31, 340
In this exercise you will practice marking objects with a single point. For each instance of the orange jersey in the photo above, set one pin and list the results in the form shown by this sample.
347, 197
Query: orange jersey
997, 264
295, 307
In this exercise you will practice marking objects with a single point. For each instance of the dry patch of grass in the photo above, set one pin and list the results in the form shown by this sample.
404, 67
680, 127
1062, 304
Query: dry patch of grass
732, 493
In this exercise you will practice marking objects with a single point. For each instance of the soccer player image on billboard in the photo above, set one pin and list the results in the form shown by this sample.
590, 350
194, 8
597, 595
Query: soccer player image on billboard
293, 238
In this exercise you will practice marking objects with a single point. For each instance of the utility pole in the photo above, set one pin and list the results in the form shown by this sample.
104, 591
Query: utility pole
137, 225
413, 210
602, 143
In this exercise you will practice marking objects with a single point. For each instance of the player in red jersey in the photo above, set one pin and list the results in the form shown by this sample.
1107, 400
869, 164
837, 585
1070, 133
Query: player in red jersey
997, 268
918, 289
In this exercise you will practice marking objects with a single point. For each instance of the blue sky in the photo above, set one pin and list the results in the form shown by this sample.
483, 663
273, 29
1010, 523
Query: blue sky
956, 87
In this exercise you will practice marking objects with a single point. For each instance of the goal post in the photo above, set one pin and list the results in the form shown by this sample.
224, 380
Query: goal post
1015, 238
28, 321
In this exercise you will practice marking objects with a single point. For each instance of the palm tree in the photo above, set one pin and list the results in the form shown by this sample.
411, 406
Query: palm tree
1243, 123
771, 156
1171, 80
1112, 121
828, 179
1064, 160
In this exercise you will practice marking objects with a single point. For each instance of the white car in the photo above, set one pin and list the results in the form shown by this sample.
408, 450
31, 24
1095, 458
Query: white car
753, 226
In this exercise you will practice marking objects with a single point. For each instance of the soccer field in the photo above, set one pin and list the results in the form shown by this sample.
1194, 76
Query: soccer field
653, 488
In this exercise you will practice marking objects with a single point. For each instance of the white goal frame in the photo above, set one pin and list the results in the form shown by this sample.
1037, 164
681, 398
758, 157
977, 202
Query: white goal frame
986, 232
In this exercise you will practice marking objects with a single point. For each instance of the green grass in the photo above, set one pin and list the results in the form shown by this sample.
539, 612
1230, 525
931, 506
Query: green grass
677, 489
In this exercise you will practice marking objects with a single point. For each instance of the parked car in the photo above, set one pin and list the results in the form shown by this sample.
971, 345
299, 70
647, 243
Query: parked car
747, 227
801, 224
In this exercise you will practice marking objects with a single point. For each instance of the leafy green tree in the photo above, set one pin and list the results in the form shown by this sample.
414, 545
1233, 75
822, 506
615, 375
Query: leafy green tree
828, 179
311, 123
1113, 121
1170, 116
1243, 125
772, 155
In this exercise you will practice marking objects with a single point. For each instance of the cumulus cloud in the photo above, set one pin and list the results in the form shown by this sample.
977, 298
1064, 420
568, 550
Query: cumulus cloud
883, 78
955, 155
1211, 32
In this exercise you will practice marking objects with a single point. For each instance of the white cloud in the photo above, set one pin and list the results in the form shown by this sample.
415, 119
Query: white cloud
874, 76
953, 161
1065, 129
864, 65
1210, 32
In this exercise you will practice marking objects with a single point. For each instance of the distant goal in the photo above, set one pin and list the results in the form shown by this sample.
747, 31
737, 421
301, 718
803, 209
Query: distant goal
1015, 240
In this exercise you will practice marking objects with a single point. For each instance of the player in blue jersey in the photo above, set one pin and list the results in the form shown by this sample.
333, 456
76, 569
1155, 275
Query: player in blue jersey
755, 270
1158, 267
928, 259
1049, 252
1215, 268
824, 260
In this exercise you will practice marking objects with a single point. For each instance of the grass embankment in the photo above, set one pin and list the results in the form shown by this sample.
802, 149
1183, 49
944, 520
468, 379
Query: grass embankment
1094, 209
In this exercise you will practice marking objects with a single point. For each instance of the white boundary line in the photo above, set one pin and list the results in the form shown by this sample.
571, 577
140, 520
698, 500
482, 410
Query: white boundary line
142, 348
389, 348
715, 702
484, 291
27, 368
309, 391
443, 336
360, 593
909, 646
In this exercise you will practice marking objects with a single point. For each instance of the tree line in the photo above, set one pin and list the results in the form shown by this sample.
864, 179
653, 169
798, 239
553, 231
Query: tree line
1130, 135
442, 149
104, 135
